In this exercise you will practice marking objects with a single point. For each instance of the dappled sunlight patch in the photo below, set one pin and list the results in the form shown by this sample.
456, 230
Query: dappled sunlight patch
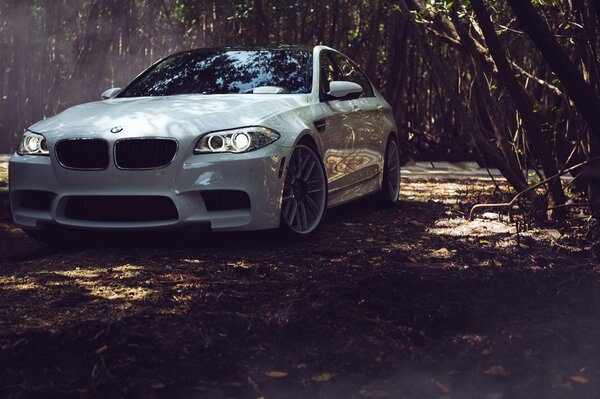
460, 227
60, 298
112, 292
18, 283
177, 281
443, 191
79, 273
241, 264
3, 175
10, 228
127, 271
107, 284
399, 246
60, 308
193, 261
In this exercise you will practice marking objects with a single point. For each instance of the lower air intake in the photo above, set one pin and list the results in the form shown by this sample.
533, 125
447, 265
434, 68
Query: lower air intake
121, 208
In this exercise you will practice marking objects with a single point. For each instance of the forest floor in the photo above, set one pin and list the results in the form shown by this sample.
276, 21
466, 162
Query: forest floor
410, 302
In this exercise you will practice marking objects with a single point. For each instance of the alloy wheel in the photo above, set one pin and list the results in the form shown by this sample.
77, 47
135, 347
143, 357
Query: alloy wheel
304, 192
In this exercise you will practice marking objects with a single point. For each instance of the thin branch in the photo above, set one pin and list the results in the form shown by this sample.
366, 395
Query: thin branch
512, 202
538, 80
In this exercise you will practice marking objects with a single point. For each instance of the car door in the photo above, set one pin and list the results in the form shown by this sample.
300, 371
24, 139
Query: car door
335, 123
366, 118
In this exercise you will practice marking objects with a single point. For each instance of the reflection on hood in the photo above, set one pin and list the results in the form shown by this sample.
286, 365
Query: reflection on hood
183, 113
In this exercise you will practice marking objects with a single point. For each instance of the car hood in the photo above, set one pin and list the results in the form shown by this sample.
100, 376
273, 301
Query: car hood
171, 115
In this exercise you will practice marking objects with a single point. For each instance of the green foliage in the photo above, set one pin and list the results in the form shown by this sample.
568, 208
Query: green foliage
178, 13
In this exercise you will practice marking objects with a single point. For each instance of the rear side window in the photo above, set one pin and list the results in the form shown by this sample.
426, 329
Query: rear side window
350, 72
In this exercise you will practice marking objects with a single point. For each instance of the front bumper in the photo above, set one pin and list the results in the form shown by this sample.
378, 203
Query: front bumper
185, 182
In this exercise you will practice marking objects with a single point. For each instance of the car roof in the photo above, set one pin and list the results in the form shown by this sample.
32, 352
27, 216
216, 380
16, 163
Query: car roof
249, 48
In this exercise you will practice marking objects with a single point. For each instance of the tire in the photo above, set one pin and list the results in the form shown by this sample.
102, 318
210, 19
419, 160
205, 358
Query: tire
304, 199
387, 197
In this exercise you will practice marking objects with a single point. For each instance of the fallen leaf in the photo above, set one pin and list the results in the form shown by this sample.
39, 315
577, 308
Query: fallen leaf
579, 379
485, 242
551, 233
322, 377
562, 381
473, 338
442, 253
497, 370
101, 349
497, 263
445, 388
491, 216
276, 374
373, 393
524, 246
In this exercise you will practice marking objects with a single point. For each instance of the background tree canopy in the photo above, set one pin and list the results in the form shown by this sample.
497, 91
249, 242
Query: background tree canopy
513, 84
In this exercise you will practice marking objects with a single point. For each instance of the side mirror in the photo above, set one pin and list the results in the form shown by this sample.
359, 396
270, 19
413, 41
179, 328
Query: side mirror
343, 90
111, 93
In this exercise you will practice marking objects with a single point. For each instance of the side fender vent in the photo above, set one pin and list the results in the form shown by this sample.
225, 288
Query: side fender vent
320, 125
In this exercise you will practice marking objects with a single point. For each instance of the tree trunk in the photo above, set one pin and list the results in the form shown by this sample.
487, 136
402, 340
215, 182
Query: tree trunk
524, 105
583, 96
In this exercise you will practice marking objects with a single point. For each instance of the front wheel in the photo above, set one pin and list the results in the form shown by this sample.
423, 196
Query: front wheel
304, 192
390, 188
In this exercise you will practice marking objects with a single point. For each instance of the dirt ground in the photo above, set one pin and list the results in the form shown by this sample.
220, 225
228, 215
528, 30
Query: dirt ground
411, 302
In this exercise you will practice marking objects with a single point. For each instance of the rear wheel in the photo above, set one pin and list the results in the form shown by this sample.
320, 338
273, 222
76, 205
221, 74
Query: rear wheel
390, 189
304, 192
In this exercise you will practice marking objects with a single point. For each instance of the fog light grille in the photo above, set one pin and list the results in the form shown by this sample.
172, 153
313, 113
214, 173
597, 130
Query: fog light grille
35, 199
225, 200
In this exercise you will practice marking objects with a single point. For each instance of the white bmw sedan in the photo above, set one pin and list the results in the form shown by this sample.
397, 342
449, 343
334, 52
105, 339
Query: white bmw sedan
226, 139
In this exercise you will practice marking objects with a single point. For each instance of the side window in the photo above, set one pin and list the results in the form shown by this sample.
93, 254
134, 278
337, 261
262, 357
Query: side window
329, 71
350, 72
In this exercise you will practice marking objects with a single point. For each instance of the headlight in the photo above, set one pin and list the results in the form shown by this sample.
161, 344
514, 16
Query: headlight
236, 141
33, 144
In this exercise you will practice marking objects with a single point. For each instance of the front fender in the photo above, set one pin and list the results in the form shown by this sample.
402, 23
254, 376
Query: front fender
293, 127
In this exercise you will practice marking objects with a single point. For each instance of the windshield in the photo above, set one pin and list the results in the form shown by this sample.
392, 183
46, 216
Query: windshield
226, 72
